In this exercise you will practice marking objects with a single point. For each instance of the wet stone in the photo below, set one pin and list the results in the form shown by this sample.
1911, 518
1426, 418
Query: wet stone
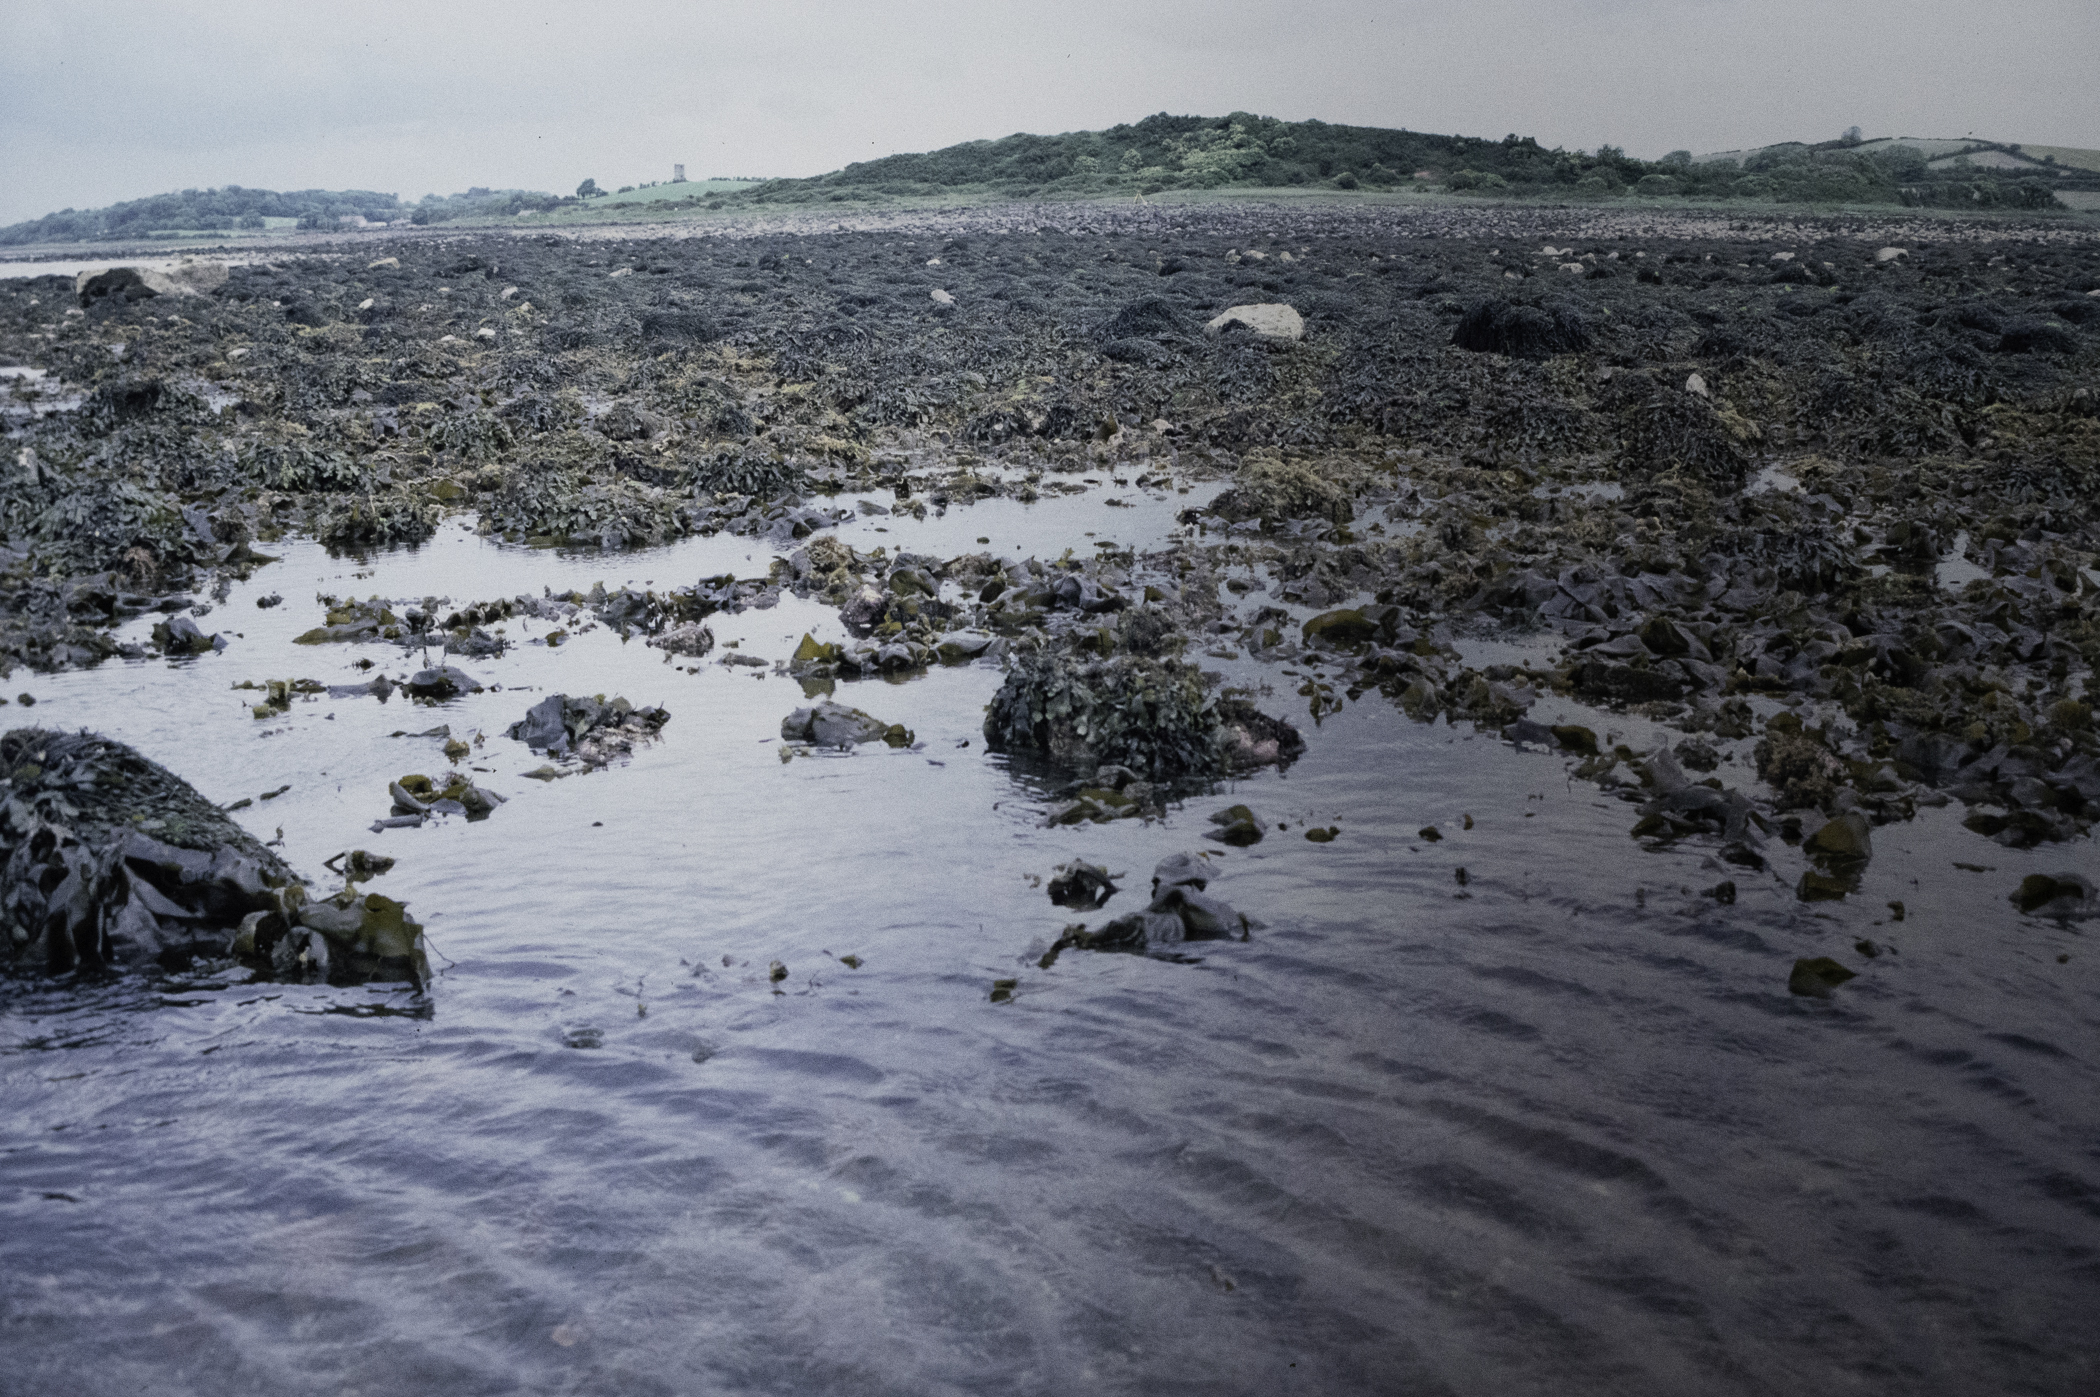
1082, 885
1238, 826
1817, 977
2061, 896
830, 724
1181, 910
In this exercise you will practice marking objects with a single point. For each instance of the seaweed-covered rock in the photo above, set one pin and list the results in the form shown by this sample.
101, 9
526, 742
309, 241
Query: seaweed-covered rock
179, 635
1237, 825
691, 638
111, 858
1816, 977
1497, 326
108, 859
2062, 896
1181, 910
1274, 490
829, 724
441, 682
417, 797
1156, 717
592, 730
1148, 317
1082, 884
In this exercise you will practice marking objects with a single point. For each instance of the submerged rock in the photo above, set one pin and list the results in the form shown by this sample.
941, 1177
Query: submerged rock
2061, 896
417, 796
1817, 977
346, 937
1847, 838
1237, 825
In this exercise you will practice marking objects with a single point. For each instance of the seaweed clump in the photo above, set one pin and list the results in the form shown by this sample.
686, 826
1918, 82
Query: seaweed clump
1156, 717
109, 859
1496, 326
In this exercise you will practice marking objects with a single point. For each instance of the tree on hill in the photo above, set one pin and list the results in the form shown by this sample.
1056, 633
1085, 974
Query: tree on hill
227, 209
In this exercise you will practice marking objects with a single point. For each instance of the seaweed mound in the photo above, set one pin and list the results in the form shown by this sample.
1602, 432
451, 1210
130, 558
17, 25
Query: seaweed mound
1156, 717
108, 858
1145, 318
1496, 326
1275, 490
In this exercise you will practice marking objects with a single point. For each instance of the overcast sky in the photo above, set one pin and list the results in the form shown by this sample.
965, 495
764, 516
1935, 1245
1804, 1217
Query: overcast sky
101, 101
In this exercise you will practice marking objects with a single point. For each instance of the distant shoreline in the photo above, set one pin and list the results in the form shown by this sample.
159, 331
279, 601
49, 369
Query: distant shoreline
753, 222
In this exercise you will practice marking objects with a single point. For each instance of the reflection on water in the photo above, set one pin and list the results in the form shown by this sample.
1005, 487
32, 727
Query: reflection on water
1556, 1126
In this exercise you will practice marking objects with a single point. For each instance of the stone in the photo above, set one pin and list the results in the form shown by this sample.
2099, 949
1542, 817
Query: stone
441, 682
958, 647
179, 635
829, 724
1083, 885
108, 859
941, 298
591, 729
1817, 886
1269, 320
367, 935
1817, 977
1345, 627
185, 278
1847, 838
1890, 254
1175, 870
1238, 826
1181, 910
1696, 386
691, 638
2062, 895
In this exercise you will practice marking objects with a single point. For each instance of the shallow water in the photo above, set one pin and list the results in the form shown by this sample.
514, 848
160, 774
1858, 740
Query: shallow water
1558, 1127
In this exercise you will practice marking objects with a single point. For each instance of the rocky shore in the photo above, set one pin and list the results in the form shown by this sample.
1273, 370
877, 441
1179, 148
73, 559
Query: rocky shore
1816, 495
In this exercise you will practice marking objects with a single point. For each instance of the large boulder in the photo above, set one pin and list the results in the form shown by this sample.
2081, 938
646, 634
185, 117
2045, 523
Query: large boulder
109, 859
1270, 321
185, 278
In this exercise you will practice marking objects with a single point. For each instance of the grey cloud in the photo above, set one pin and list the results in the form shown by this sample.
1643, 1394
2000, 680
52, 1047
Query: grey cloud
103, 101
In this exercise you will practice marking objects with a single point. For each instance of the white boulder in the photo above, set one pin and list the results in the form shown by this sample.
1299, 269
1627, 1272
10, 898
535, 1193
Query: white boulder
1272, 321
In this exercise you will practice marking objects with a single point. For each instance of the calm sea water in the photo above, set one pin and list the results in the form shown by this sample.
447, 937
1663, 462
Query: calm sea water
1556, 1128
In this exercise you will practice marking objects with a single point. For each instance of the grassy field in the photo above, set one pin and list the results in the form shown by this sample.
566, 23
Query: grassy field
2066, 155
691, 189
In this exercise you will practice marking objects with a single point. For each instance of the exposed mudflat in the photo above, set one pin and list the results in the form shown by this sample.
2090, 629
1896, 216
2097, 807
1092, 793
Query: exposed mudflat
1668, 964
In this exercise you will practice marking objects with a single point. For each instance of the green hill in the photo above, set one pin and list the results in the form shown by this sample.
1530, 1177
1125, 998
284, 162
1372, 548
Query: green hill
1163, 154
1167, 154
